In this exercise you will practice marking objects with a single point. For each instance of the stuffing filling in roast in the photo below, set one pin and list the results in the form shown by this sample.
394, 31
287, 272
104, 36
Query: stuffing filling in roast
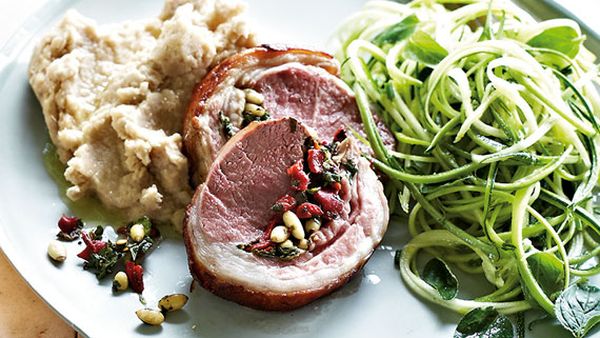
319, 183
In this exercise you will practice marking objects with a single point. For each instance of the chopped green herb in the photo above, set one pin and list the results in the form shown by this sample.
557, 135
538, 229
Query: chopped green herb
350, 166
277, 252
139, 249
249, 118
103, 262
228, 129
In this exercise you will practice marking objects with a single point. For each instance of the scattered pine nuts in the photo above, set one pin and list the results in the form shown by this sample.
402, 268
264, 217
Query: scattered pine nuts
252, 96
120, 282
294, 224
57, 251
137, 232
150, 316
279, 234
173, 302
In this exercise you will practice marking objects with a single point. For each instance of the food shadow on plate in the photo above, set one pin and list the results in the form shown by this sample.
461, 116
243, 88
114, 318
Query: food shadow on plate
178, 317
216, 317
148, 330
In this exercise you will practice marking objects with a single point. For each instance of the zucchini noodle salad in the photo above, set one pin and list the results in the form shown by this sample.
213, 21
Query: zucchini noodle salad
495, 116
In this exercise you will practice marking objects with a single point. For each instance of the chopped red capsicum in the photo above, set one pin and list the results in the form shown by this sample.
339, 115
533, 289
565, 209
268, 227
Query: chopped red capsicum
285, 203
340, 135
135, 275
308, 210
329, 200
69, 224
299, 178
315, 161
91, 246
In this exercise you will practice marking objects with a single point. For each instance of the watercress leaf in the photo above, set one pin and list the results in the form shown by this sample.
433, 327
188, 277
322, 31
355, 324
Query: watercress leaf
484, 323
548, 271
423, 48
397, 32
578, 308
563, 39
437, 274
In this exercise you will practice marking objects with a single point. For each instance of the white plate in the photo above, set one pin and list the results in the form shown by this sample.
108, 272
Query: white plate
374, 304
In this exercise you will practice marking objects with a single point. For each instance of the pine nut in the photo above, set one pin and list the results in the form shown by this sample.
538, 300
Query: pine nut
57, 251
150, 316
293, 223
287, 244
120, 282
255, 109
303, 244
279, 234
252, 96
172, 303
312, 225
137, 233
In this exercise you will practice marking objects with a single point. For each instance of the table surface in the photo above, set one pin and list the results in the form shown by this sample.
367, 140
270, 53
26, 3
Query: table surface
23, 313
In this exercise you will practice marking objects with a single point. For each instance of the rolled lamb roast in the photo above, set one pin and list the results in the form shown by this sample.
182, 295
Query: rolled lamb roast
262, 83
284, 217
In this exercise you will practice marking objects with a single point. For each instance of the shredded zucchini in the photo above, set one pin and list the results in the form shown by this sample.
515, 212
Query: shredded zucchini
495, 116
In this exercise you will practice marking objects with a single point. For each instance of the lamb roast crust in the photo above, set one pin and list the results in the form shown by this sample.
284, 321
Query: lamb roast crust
250, 292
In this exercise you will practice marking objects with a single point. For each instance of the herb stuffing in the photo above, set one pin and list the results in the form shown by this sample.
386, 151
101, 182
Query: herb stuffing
103, 257
496, 118
228, 129
316, 182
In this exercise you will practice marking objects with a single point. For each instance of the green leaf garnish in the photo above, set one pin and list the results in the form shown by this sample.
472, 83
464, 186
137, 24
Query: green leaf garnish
423, 48
397, 32
578, 308
548, 271
484, 323
437, 274
563, 39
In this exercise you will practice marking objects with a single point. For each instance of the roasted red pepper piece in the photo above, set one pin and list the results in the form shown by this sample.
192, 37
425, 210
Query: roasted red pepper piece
68, 224
336, 187
91, 246
299, 178
265, 240
284, 204
308, 210
329, 200
340, 135
135, 274
315, 161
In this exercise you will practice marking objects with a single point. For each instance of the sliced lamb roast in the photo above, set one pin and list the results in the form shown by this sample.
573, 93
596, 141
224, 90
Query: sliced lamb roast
283, 219
266, 82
